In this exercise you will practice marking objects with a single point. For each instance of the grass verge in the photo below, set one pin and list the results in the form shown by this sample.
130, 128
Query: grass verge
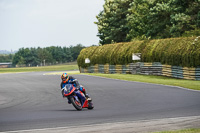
62, 67
182, 131
60, 73
190, 84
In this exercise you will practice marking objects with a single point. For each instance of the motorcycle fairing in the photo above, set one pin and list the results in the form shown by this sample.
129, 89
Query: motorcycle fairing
69, 88
81, 96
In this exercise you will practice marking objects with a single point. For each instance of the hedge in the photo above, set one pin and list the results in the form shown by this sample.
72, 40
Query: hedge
183, 52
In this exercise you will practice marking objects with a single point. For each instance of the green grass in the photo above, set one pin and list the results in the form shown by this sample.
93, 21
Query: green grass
60, 73
62, 67
190, 84
182, 131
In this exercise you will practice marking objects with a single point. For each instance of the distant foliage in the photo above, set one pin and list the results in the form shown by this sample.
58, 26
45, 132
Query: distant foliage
6, 57
175, 51
50, 55
127, 20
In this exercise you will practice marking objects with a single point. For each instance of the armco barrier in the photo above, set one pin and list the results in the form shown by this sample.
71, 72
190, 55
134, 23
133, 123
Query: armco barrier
151, 68
106, 68
167, 70
144, 68
197, 73
189, 73
101, 68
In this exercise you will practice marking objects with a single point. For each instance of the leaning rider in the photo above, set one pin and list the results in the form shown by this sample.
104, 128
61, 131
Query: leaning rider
66, 79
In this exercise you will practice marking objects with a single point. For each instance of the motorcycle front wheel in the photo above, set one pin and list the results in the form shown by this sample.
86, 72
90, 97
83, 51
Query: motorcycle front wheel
76, 103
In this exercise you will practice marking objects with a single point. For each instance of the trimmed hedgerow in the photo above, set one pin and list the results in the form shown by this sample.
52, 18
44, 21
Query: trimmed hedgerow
174, 51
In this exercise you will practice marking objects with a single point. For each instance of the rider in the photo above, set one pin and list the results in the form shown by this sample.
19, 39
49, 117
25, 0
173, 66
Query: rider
66, 79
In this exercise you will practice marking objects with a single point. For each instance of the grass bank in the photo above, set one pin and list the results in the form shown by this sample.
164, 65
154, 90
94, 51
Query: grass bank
63, 67
190, 84
182, 131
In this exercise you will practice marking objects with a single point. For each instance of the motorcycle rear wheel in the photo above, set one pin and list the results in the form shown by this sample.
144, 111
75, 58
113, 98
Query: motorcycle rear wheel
76, 104
90, 105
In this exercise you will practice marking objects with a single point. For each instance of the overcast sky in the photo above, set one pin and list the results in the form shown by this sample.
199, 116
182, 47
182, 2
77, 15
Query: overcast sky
34, 23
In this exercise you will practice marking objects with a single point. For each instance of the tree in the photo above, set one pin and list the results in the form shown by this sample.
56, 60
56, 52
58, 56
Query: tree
125, 20
6, 58
76, 50
112, 22
67, 57
44, 55
18, 58
138, 18
36, 56
162, 18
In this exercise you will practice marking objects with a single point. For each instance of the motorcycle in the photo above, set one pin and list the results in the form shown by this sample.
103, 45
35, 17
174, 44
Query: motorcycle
76, 97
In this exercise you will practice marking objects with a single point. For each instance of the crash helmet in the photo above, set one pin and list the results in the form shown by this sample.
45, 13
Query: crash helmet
64, 78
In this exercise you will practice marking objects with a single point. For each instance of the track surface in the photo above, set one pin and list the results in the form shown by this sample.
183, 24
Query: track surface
33, 101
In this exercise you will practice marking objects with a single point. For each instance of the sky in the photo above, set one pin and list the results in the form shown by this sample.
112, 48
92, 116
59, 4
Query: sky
44, 23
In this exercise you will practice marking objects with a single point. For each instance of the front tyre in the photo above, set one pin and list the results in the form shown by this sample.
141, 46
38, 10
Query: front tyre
76, 103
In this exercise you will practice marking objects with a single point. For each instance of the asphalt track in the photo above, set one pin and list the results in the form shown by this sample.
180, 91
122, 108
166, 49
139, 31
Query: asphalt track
33, 101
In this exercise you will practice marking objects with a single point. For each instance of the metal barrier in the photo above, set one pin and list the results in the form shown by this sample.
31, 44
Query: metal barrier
155, 68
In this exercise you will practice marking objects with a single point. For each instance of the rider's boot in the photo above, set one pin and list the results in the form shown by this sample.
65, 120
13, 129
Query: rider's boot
88, 97
82, 89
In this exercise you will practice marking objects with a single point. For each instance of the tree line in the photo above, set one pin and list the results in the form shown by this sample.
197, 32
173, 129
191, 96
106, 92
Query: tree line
6, 58
127, 20
39, 56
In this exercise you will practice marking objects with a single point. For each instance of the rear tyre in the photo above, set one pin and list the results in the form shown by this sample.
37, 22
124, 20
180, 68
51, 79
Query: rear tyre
75, 103
90, 105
